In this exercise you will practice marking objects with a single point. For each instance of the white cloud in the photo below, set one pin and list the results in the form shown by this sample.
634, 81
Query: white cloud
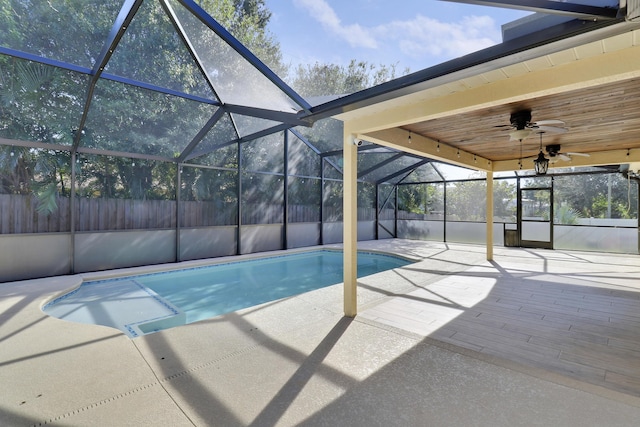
418, 38
354, 34
425, 36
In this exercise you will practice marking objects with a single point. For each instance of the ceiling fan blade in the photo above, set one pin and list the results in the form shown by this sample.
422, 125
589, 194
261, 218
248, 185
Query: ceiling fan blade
551, 129
549, 123
578, 154
564, 157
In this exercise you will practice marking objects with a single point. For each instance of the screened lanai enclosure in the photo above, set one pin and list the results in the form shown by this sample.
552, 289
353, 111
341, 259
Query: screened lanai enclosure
144, 132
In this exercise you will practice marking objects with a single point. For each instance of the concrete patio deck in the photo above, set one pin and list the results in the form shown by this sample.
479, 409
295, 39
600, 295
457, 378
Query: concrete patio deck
534, 337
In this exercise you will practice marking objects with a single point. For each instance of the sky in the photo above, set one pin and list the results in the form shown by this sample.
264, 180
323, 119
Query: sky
412, 34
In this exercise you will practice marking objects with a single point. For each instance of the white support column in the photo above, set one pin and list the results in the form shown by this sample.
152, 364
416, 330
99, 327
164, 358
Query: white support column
489, 215
350, 221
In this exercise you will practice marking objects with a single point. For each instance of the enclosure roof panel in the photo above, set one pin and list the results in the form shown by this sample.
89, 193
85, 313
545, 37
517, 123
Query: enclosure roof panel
151, 51
162, 78
148, 122
72, 32
237, 76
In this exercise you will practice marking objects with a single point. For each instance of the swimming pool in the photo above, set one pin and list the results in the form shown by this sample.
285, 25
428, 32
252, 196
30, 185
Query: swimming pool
147, 303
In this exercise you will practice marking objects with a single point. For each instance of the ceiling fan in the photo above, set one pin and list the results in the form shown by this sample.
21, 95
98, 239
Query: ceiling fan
541, 162
555, 155
522, 127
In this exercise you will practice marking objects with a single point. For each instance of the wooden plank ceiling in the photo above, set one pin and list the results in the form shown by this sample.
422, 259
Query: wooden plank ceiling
464, 118
601, 118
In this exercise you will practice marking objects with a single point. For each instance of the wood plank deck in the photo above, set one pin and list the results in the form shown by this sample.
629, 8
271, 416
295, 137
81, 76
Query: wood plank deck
575, 314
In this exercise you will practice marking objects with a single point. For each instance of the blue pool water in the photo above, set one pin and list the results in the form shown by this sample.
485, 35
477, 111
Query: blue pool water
151, 302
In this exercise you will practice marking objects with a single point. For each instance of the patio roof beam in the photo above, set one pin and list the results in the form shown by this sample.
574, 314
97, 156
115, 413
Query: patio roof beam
435, 168
42, 60
427, 147
362, 148
575, 10
331, 153
598, 158
127, 12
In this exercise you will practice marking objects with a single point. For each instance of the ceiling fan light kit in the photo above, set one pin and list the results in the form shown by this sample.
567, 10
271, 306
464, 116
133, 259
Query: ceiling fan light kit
519, 134
522, 127
541, 164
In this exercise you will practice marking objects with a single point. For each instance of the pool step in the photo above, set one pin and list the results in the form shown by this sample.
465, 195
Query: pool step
160, 324
125, 304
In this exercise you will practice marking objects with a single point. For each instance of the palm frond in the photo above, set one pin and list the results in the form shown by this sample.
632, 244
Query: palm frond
32, 76
47, 196
7, 92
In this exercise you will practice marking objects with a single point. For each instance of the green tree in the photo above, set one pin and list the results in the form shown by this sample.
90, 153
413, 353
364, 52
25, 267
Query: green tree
466, 201
332, 79
504, 200
42, 103
248, 21
597, 195
563, 214
420, 198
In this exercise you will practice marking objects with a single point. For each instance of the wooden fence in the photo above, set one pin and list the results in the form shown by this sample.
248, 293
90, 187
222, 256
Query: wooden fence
436, 216
124, 214
18, 214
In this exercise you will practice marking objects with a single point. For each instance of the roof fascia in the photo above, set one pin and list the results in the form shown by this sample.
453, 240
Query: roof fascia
553, 39
575, 10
